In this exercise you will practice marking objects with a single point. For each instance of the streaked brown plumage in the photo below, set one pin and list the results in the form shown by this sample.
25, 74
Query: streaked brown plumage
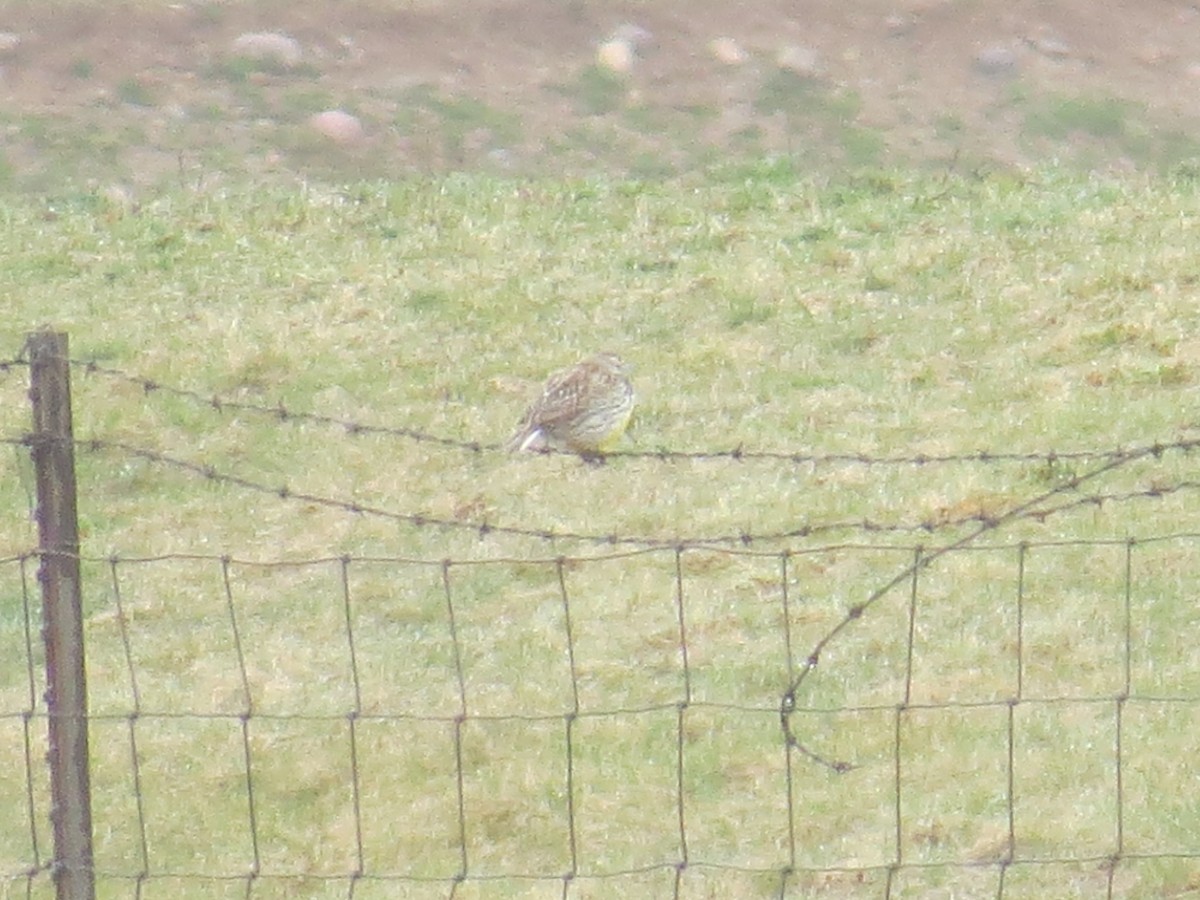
584, 409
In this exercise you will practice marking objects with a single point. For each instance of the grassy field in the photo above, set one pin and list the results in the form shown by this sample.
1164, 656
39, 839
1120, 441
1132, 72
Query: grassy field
556, 644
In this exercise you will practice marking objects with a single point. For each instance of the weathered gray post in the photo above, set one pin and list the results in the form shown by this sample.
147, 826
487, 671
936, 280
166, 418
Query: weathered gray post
53, 451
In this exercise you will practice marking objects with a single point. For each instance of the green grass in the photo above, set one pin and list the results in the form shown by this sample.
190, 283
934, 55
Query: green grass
596, 90
883, 314
238, 69
1095, 130
811, 108
1101, 117
453, 131
135, 92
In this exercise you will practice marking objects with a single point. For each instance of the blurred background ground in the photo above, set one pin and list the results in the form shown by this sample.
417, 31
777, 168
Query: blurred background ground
124, 96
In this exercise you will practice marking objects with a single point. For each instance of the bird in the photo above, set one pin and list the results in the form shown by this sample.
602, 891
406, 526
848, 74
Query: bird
583, 409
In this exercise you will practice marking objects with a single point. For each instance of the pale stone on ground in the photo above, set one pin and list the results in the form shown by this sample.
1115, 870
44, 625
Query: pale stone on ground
799, 59
338, 125
727, 50
615, 55
271, 45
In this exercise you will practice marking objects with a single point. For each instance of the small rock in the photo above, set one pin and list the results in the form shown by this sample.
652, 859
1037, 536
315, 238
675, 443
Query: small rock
338, 125
269, 45
1049, 44
802, 60
727, 51
898, 25
615, 55
9, 41
996, 60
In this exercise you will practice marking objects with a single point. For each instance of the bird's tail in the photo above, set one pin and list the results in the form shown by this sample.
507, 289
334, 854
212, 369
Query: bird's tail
527, 438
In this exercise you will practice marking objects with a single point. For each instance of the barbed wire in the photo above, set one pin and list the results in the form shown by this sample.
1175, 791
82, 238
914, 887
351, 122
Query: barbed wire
680, 707
737, 453
1071, 490
985, 519
923, 558
353, 865
278, 411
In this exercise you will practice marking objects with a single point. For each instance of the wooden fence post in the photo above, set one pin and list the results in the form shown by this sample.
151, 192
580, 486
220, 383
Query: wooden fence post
53, 451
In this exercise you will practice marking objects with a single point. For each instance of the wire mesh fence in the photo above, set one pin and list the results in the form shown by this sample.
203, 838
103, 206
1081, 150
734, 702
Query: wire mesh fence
993, 697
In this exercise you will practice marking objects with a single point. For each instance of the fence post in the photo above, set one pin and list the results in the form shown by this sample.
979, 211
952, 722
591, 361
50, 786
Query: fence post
53, 453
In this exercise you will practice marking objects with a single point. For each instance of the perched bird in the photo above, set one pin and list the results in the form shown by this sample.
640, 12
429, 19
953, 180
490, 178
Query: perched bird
583, 409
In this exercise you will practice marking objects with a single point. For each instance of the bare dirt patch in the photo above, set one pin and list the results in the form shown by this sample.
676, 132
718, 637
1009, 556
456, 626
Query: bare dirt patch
132, 94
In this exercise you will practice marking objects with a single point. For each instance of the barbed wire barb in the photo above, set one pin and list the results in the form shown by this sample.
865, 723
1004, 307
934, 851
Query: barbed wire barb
738, 453
589, 717
924, 560
484, 528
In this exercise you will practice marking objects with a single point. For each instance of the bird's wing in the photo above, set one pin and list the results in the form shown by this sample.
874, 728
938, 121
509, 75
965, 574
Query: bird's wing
561, 398
553, 405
